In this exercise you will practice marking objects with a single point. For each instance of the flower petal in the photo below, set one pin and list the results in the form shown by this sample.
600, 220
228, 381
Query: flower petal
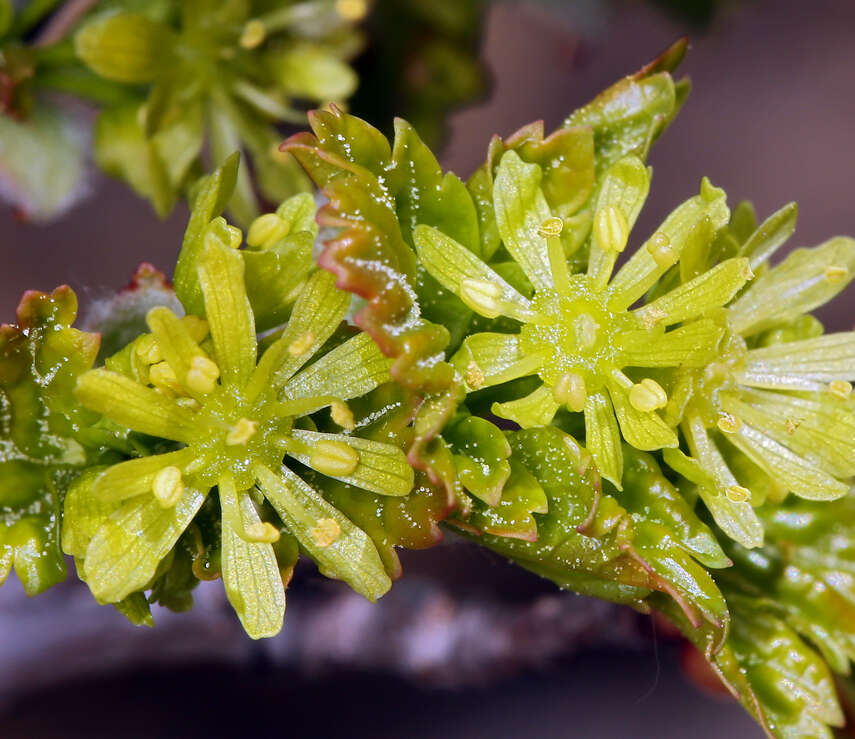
602, 437
806, 279
711, 289
382, 468
707, 211
453, 265
521, 210
124, 554
534, 410
228, 312
251, 575
770, 235
487, 359
351, 369
135, 477
644, 430
140, 408
350, 555
692, 345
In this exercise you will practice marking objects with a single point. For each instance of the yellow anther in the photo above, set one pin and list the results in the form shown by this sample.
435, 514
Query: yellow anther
737, 493
840, 388
148, 349
474, 375
168, 487
326, 532
196, 327
334, 458
835, 273
660, 249
790, 425
241, 432
351, 10
652, 315
263, 532
481, 296
570, 391
342, 415
161, 375
301, 344
202, 375
235, 237
611, 229
585, 328
552, 226
266, 230
729, 423
253, 34
647, 396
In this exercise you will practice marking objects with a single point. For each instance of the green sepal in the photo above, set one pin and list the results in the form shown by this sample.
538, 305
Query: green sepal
481, 454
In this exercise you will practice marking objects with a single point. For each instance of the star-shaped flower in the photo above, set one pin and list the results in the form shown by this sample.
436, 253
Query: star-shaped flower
578, 332
231, 420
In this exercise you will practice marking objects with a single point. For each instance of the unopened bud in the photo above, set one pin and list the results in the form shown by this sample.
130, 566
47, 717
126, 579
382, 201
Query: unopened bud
647, 396
334, 458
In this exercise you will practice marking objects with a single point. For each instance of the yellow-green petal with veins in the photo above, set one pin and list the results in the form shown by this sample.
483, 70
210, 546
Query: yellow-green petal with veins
806, 279
135, 477
711, 289
536, 409
644, 430
662, 250
340, 549
602, 437
692, 345
521, 210
460, 271
317, 313
83, 513
228, 312
351, 369
382, 468
250, 573
126, 550
131, 404
487, 359
770, 235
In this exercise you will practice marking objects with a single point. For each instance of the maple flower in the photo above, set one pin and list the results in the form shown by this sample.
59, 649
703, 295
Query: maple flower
232, 420
773, 413
578, 333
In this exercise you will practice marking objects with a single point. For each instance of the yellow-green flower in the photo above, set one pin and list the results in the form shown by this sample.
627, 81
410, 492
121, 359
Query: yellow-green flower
773, 413
232, 420
578, 332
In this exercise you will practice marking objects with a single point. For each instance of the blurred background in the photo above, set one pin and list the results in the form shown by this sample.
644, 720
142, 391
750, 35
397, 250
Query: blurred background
771, 118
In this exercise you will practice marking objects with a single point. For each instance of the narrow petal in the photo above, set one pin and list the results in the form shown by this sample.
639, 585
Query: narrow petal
140, 408
796, 474
341, 549
770, 235
382, 468
351, 369
801, 365
712, 289
228, 312
806, 279
487, 359
521, 209
458, 270
692, 345
135, 477
83, 513
602, 437
534, 410
699, 217
318, 312
624, 187
251, 576
644, 430
125, 552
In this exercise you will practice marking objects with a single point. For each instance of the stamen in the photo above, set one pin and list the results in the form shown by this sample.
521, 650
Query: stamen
660, 249
266, 230
262, 532
570, 391
474, 375
840, 388
168, 487
334, 458
202, 375
585, 328
737, 493
326, 532
611, 229
552, 226
342, 415
647, 396
301, 344
835, 274
241, 432
162, 376
729, 423
253, 34
481, 296
148, 350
